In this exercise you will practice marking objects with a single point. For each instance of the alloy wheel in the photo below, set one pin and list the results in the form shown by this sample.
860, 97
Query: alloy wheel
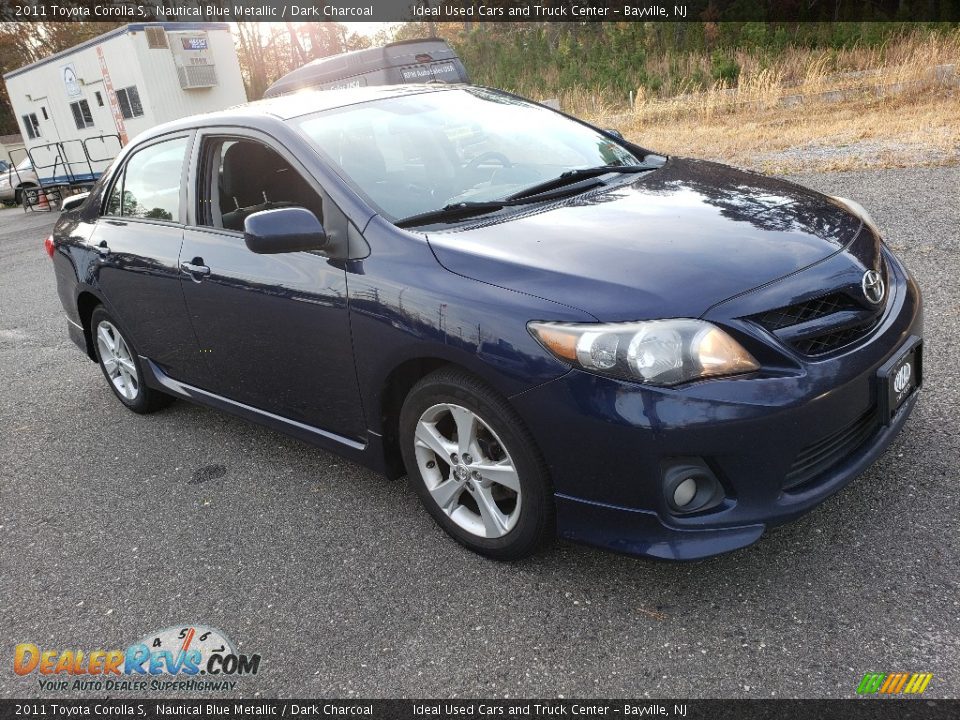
117, 360
467, 470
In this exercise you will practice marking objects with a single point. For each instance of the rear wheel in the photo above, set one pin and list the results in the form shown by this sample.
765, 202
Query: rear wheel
475, 466
121, 365
21, 192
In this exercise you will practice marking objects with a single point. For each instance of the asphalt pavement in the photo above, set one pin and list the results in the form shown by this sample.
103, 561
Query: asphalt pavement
113, 525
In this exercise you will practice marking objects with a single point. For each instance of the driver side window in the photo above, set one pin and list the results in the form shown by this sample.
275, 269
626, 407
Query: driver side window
244, 176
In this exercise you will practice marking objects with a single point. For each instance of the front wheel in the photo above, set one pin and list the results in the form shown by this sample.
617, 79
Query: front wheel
121, 365
475, 466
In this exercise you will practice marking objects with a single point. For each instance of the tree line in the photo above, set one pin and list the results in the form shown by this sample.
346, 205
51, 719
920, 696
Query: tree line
541, 58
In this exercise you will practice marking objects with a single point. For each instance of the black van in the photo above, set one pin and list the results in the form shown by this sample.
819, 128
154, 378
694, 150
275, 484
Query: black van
407, 61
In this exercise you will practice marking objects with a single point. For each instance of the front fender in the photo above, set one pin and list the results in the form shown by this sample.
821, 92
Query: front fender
443, 316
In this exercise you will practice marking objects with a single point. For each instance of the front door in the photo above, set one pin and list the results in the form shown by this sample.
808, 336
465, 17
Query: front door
274, 329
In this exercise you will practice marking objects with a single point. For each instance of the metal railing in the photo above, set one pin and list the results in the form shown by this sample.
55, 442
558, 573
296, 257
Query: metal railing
66, 161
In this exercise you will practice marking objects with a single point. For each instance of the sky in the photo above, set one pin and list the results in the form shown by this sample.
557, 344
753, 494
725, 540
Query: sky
369, 28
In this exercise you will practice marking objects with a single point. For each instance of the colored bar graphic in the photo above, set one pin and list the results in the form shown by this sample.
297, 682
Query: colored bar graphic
894, 683
918, 683
871, 683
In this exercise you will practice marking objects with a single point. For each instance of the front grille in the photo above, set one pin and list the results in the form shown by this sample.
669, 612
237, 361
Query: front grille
833, 340
774, 320
823, 324
818, 457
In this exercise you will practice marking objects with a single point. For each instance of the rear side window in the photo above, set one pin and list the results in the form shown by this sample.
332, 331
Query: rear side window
149, 186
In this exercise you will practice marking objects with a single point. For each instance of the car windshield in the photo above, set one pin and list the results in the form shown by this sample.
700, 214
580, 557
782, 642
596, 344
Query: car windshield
25, 164
414, 154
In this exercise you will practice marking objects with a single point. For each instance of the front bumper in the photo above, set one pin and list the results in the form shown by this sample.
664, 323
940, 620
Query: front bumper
605, 442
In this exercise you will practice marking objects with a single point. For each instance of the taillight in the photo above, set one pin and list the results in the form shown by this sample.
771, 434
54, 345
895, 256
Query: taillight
48, 245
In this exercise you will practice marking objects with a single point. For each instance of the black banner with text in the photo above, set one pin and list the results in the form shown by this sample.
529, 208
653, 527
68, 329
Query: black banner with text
134, 11
854, 709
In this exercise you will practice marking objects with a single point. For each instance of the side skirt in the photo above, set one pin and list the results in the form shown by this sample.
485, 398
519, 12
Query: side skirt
369, 453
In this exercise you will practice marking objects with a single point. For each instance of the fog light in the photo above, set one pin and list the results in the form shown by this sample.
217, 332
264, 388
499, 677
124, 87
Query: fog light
685, 492
690, 486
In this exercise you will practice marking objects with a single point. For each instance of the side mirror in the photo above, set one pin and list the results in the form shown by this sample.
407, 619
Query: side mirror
283, 230
616, 133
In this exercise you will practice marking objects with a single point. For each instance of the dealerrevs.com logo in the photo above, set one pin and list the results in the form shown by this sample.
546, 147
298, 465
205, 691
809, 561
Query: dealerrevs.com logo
191, 657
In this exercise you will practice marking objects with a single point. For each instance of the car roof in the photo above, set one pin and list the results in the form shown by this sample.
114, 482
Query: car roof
303, 102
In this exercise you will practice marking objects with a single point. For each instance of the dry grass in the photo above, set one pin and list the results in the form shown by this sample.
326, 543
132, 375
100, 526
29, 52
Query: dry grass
896, 105
848, 135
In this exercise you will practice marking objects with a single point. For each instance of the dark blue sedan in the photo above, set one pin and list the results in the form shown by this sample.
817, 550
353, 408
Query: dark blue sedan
547, 328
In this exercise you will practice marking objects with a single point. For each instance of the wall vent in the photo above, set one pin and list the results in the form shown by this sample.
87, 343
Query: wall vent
157, 38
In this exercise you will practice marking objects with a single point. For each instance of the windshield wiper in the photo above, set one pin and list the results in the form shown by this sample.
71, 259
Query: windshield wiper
452, 213
471, 208
576, 175
572, 181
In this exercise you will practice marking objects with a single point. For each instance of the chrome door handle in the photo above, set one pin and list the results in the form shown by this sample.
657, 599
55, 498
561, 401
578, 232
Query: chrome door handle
195, 268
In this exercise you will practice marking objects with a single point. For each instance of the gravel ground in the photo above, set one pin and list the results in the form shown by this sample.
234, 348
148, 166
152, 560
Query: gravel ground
877, 153
113, 525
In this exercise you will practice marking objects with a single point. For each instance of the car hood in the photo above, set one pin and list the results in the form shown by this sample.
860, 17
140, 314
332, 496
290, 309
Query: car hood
673, 243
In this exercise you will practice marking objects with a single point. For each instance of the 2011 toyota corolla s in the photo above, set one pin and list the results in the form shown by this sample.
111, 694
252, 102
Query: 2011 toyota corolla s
546, 327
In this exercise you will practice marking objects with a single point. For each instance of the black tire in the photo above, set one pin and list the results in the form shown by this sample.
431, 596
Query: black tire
536, 522
18, 194
145, 399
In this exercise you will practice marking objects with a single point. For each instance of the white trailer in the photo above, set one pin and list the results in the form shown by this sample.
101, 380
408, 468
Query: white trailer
78, 107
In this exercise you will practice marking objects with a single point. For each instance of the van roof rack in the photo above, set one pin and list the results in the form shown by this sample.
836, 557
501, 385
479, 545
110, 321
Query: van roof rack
416, 60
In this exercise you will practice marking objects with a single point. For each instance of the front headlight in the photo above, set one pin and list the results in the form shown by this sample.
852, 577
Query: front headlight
860, 211
658, 352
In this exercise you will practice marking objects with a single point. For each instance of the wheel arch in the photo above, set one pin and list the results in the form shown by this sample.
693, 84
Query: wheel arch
87, 302
383, 408
396, 387
18, 190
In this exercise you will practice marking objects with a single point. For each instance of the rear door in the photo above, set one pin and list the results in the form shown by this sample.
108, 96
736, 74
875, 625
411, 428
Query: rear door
274, 329
138, 237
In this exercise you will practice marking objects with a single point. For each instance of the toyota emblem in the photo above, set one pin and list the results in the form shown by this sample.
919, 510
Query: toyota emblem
873, 288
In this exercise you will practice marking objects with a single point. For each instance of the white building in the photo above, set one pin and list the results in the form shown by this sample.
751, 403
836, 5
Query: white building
10, 144
78, 107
